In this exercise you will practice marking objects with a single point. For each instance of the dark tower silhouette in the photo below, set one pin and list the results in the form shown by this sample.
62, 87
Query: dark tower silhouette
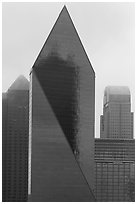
62, 98
15, 141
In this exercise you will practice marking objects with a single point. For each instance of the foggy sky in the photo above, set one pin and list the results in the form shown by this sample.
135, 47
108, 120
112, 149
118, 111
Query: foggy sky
105, 29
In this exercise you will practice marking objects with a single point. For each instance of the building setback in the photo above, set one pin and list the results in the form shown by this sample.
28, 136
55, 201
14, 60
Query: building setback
62, 106
15, 141
117, 119
115, 170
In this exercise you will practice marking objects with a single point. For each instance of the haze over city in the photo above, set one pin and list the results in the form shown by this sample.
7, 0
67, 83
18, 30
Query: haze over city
68, 102
105, 29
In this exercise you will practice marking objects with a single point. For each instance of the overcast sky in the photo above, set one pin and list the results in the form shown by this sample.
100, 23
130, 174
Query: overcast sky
105, 29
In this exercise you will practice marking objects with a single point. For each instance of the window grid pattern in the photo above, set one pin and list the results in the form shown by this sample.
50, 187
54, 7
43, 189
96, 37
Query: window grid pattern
16, 148
114, 170
113, 181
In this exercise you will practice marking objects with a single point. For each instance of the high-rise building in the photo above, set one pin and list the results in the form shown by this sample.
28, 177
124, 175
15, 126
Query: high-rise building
4, 138
115, 149
62, 106
115, 170
101, 126
117, 119
132, 124
15, 132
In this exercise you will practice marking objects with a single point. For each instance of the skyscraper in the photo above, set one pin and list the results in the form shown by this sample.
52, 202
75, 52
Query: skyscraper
117, 119
15, 141
115, 149
62, 99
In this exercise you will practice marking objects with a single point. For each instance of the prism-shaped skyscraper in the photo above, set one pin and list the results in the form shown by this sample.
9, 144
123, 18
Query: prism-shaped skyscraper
62, 106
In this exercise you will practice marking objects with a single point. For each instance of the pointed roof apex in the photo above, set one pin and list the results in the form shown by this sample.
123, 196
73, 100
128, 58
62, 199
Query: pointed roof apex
64, 41
21, 83
64, 9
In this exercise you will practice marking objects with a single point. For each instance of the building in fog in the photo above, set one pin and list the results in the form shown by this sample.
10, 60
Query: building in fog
15, 103
62, 107
115, 170
117, 119
115, 149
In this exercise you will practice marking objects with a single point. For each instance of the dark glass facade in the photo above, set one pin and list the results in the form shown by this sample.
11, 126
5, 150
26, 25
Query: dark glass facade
62, 118
15, 142
4, 138
115, 170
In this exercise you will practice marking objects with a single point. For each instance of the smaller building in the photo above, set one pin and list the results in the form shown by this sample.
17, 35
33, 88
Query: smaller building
115, 170
101, 127
117, 119
15, 129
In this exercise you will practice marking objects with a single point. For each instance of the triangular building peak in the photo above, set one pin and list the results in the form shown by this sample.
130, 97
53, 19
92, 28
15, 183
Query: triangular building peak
64, 41
21, 83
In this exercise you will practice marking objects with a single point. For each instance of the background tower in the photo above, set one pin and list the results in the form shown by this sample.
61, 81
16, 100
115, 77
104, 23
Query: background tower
15, 141
115, 149
62, 118
117, 119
